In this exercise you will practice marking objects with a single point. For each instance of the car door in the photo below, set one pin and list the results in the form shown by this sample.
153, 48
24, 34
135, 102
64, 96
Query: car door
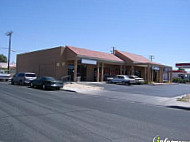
38, 81
116, 79
122, 79
20, 78
14, 78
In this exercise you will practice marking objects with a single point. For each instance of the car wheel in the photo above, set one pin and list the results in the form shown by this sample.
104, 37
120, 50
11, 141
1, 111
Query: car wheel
110, 82
31, 85
129, 83
20, 82
12, 83
43, 87
57, 88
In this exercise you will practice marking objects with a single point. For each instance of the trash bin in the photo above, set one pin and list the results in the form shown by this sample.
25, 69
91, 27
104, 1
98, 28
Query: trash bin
78, 78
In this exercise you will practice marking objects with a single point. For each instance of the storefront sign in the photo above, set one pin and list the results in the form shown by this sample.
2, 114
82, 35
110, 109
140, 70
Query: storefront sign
157, 68
87, 61
183, 65
167, 69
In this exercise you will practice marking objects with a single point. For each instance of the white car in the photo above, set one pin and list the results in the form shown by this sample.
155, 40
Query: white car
123, 79
4, 76
23, 78
138, 80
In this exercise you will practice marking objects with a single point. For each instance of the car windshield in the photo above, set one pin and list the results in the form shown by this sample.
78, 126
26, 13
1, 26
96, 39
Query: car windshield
133, 76
50, 79
30, 75
126, 76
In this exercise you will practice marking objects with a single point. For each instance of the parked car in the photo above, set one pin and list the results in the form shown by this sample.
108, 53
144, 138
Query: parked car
138, 80
124, 79
23, 78
46, 82
4, 76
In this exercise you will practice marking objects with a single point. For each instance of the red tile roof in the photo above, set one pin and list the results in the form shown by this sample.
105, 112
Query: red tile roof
137, 58
94, 54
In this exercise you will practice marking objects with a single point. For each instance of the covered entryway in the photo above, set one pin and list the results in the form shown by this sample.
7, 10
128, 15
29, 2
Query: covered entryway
142, 67
88, 65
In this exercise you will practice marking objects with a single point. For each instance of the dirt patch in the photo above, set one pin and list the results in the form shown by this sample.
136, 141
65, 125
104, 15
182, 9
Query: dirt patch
81, 87
185, 98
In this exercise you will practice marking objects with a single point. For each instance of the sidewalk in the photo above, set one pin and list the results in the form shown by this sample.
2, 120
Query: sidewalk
155, 84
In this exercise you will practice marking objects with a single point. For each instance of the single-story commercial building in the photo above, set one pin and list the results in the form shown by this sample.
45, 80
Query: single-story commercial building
90, 65
4, 66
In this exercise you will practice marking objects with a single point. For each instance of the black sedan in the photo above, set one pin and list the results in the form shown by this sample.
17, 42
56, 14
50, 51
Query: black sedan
46, 82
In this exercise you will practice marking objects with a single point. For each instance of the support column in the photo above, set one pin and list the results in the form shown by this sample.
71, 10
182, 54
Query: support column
102, 75
132, 69
168, 76
171, 76
75, 70
124, 70
98, 72
152, 74
148, 74
160, 75
120, 69
145, 74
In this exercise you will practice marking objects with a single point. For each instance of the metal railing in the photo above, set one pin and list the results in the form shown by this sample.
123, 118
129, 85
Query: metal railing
66, 78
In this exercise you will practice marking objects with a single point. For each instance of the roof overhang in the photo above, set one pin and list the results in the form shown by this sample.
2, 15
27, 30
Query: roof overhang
101, 59
149, 64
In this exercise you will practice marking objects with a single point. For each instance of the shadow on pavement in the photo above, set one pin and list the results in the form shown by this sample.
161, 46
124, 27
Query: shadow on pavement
179, 107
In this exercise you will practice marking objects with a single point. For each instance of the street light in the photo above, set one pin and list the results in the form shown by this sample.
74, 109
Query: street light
9, 34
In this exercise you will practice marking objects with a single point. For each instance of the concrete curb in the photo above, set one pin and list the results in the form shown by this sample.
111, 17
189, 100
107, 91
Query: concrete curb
68, 90
158, 84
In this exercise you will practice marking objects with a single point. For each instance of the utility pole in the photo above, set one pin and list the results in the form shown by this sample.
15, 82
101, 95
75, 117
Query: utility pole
151, 71
113, 50
152, 57
9, 34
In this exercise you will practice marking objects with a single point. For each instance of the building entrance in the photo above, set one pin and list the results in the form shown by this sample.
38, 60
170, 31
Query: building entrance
155, 74
82, 72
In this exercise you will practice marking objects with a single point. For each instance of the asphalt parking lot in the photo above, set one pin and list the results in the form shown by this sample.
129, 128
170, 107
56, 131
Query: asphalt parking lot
35, 115
150, 90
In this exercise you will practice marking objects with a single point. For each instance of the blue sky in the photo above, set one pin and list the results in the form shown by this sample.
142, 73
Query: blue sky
147, 27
